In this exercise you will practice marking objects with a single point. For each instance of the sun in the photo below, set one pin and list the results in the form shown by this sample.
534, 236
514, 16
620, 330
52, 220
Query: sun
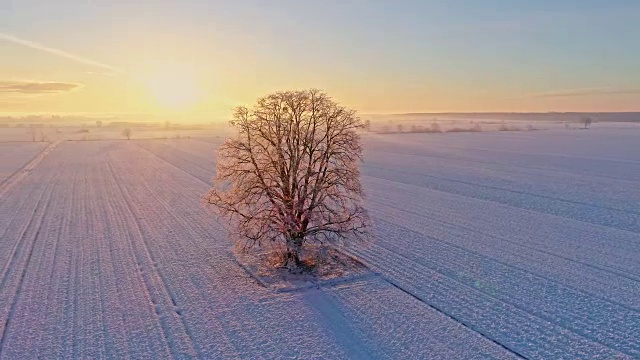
173, 88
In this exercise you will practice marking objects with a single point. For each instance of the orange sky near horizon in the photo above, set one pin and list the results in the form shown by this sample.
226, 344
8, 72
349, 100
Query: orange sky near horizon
189, 60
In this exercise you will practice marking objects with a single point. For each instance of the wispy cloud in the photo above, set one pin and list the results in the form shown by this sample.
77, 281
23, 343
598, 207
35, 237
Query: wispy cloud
586, 92
100, 73
57, 52
34, 87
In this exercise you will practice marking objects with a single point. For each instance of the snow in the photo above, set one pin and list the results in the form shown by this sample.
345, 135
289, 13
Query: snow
488, 245
16, 155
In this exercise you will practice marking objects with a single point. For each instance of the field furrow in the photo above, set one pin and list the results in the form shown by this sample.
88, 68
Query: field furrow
503, 246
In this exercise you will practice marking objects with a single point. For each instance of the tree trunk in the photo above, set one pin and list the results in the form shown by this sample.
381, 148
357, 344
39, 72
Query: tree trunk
292, 256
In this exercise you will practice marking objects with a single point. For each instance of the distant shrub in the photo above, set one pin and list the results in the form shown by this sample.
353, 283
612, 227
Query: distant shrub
586, 121
367, 125
505, 127
433, 128
384, 130
475, 128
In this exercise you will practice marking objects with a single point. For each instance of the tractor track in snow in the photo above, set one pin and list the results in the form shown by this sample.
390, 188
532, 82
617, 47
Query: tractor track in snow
455, 275
26, 242
482, 161
22, 173
522, 251
627, 348
478, 311
194, 226
391, 283
164, 290
537, 239
580, 312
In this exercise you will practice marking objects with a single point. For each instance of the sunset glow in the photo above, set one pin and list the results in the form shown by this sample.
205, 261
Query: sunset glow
173, 88
465, 57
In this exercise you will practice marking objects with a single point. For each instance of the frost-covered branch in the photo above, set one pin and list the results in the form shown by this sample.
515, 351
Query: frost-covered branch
291, 175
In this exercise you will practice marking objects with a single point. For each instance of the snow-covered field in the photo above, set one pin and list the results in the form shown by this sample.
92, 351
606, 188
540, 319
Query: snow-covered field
488, 245
15, 155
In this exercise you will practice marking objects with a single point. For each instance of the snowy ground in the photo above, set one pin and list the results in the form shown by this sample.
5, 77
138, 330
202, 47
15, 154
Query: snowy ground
489, 245
15, 155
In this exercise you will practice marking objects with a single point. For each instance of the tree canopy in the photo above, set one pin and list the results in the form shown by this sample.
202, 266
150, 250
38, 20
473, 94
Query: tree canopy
291, 174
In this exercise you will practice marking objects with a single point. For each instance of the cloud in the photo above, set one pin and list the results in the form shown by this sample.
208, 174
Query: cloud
33, 87
57, 52
587, 92
100, 73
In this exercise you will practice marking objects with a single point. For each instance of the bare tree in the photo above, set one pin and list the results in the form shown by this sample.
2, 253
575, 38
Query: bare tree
127, 133
367, 125
291, 175
34, 132
586, 121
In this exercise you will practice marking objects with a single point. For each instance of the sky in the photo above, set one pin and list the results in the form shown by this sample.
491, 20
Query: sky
203, 57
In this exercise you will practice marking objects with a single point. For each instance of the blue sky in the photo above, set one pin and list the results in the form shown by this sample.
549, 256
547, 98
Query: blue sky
377, 56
